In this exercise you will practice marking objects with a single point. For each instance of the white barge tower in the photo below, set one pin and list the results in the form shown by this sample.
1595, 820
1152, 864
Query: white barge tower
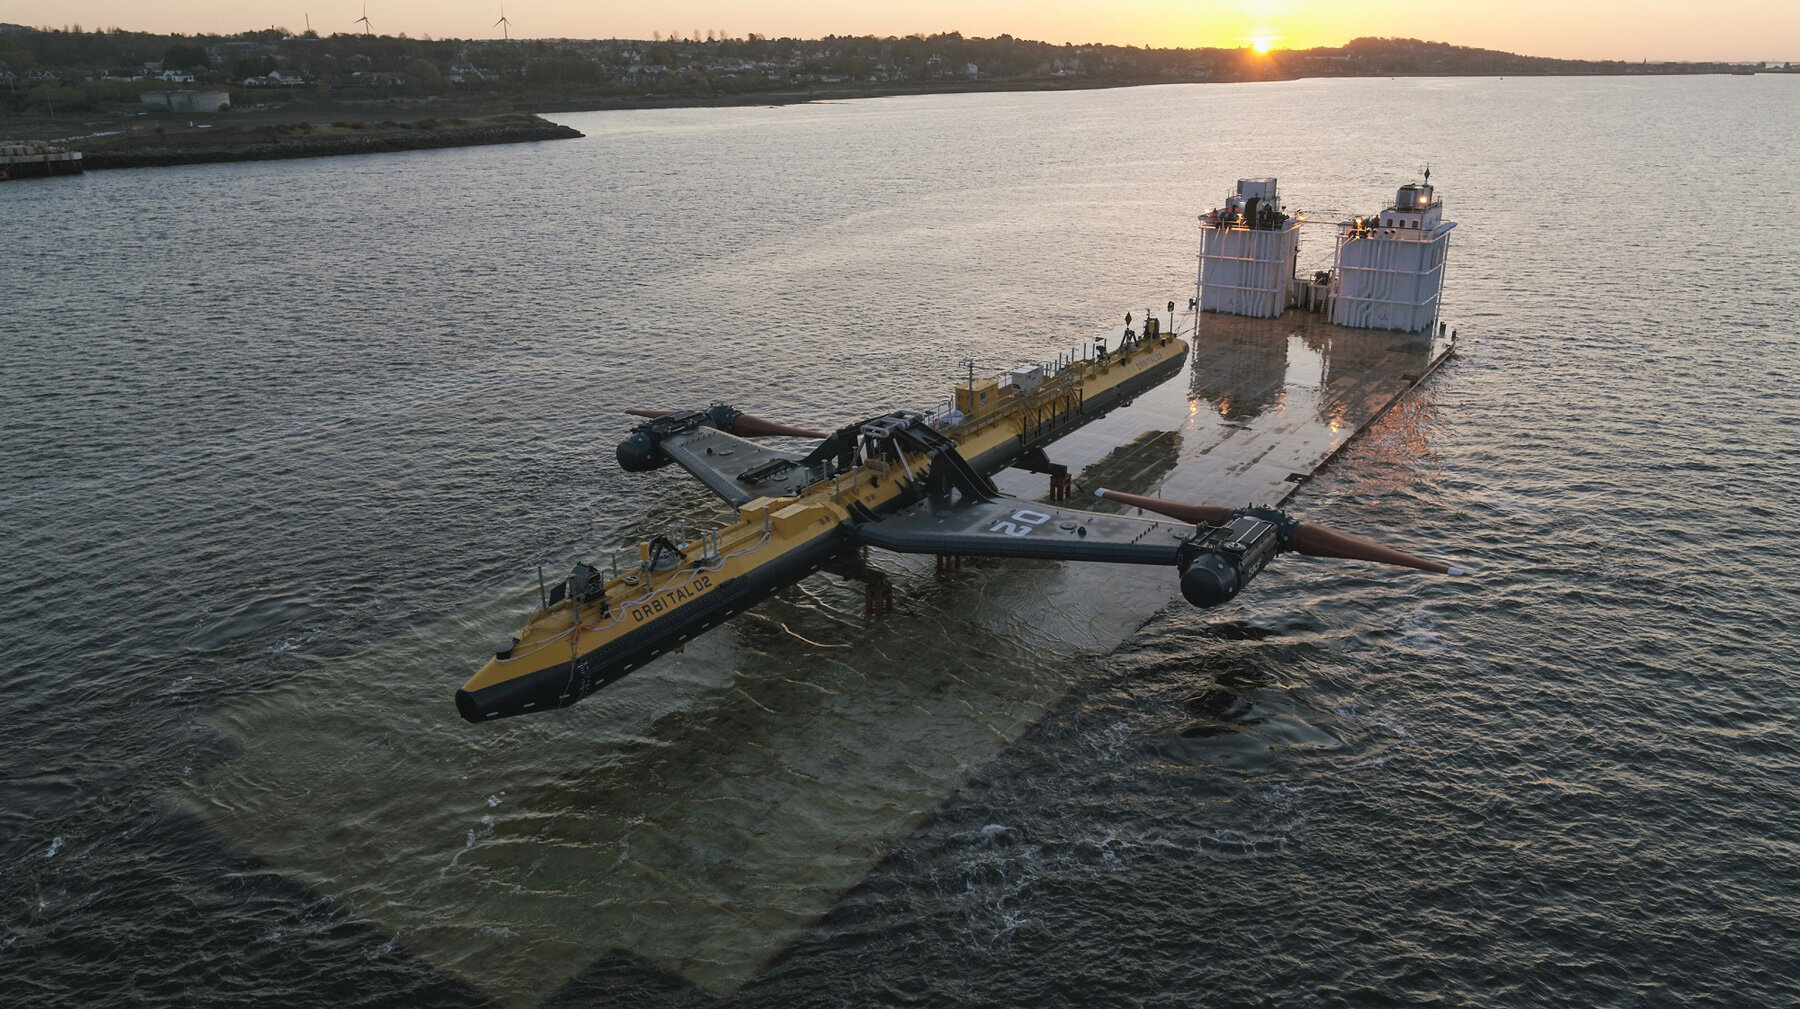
1390, 267
1248, 251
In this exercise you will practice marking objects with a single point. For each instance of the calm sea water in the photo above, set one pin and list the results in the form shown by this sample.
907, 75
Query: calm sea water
284, 442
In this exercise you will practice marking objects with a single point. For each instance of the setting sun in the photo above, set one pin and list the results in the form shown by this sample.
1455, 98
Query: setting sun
1262, 43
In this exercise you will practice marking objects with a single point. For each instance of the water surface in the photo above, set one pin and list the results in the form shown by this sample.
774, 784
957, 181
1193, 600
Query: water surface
286, 441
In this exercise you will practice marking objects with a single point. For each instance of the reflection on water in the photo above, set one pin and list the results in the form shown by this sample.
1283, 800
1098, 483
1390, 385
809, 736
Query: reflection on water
1285, 394
1242, 374
700, 834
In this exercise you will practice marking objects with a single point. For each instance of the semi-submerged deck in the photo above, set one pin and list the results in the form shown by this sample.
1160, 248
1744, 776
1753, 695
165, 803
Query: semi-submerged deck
1289, 393
693, 820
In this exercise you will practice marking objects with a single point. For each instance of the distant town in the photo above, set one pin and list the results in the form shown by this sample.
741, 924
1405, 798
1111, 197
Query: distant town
122, 99
63, 71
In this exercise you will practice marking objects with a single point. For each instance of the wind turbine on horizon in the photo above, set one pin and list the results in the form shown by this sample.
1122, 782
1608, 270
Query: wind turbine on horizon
364, 20
504, 25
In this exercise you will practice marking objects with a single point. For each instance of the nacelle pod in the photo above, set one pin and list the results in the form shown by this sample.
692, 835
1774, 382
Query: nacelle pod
641, 453
1217, 564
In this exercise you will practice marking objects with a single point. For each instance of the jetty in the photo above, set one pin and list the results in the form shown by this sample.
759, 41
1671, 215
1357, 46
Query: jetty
34, 159
303, 139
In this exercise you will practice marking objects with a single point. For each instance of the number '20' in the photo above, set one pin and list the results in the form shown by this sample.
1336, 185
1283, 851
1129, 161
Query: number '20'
1023, 522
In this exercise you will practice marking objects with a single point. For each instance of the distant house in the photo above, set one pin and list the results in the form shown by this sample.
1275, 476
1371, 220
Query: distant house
275, 79
186, 101
462, 73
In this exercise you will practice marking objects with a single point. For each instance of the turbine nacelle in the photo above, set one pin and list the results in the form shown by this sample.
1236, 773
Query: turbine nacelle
1220, 560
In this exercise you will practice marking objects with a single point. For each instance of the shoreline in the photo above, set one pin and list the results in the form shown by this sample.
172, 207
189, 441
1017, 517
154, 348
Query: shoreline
614, 103
617, 103
282, 136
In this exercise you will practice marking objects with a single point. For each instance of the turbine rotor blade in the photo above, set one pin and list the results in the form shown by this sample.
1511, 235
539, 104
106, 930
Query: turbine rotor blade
756, 427
1209, 514
1309, 538
1315, 540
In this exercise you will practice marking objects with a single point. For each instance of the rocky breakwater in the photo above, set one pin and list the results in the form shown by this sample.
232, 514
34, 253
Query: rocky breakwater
240, 142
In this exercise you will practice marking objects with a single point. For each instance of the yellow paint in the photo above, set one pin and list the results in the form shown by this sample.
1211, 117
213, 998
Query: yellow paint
978, 397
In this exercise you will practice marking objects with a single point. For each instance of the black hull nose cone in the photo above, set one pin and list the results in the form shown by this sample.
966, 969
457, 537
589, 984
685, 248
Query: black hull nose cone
465, 704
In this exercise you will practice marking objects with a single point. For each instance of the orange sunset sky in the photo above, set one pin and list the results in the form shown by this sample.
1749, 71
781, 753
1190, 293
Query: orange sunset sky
1590, 29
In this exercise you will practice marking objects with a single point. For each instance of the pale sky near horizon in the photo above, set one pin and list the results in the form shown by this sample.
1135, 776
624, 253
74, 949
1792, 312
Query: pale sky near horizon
1574, 29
